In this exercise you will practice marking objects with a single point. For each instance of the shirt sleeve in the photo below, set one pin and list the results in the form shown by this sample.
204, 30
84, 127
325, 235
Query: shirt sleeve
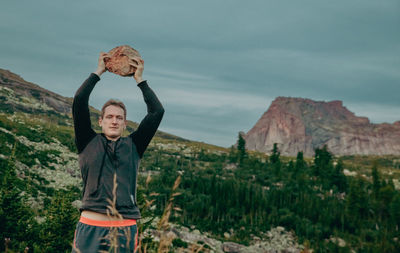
81, 115
148, 126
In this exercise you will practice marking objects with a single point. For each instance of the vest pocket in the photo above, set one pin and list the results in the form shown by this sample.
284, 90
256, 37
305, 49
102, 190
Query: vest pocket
92, 183
94, 175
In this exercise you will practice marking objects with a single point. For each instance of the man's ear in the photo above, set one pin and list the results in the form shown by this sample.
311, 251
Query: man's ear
100, 120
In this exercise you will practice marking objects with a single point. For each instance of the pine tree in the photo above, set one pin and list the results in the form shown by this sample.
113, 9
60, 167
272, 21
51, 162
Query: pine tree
322, 162
338, 178
57, 231
395, 211
300, 163
275, 160
356, 203
15, 216
241, 148
376, 184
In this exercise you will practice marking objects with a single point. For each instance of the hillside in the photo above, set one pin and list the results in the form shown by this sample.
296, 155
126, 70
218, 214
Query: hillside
19, 95
226, 200
38, 160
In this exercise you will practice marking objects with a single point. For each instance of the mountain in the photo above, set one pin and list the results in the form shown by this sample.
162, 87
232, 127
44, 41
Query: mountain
298, 124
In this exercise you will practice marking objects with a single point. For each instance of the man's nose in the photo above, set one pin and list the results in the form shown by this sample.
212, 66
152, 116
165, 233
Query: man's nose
114, 120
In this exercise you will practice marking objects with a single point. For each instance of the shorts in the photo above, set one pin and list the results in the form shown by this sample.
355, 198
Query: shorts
93, 236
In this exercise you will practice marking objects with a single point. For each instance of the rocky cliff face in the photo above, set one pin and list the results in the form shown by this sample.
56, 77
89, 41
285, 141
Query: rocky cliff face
33, 94
298, 124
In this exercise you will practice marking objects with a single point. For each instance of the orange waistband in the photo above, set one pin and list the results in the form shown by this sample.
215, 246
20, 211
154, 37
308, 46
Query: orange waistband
107, 223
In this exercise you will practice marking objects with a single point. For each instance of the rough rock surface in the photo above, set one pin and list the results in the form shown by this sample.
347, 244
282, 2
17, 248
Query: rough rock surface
44, 99
298, 124
117, 60
276, 240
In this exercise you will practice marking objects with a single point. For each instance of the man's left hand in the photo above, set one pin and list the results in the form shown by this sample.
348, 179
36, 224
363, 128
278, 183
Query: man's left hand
138, 63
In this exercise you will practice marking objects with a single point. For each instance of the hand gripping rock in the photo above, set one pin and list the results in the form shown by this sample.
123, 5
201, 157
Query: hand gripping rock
117, 60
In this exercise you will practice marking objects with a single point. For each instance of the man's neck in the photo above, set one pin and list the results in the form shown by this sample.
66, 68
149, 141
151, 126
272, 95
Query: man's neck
111, 138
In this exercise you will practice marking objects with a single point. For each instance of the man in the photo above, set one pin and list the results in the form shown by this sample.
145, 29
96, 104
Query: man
108, 160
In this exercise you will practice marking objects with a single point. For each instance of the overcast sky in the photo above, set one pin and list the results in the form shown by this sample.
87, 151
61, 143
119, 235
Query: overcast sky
215, 65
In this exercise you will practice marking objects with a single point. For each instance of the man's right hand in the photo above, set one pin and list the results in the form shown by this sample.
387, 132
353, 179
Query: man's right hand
101, 66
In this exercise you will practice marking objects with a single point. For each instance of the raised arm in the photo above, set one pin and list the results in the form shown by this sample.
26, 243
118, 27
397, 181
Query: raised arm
80, 108
155, 111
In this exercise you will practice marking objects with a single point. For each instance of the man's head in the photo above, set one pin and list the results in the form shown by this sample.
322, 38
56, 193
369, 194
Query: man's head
113, 119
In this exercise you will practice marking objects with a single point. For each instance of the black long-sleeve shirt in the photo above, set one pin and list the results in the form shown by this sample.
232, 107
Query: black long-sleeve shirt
143, 134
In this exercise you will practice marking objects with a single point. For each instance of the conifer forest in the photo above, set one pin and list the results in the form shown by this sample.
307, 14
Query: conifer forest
220, 190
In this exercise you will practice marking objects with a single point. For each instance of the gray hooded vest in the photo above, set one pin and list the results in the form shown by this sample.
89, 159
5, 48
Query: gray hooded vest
99, 162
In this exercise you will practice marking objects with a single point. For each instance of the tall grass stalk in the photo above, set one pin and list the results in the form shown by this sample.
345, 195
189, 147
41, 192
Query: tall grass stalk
111, 239
163, 224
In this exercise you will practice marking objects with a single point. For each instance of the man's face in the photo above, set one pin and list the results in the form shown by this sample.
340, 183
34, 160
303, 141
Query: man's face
113, 122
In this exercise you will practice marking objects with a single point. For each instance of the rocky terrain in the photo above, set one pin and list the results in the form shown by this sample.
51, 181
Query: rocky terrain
36, 136
273, 241
298, 124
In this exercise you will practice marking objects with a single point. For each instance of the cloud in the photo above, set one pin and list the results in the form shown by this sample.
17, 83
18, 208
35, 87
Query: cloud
215, 65
377, 113
214, 99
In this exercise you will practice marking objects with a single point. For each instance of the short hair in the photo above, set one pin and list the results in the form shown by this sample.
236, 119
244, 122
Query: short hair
113, 102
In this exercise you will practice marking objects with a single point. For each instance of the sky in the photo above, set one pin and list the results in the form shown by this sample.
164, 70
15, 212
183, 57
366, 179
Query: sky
215, 65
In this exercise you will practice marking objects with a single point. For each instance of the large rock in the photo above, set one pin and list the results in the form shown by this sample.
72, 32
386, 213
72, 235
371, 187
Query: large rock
21, 95
118, 59
276, 240
298, 124
231, 247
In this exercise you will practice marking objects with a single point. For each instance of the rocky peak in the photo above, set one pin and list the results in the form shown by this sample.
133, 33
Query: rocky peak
22, 88
299, 124
7, 76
